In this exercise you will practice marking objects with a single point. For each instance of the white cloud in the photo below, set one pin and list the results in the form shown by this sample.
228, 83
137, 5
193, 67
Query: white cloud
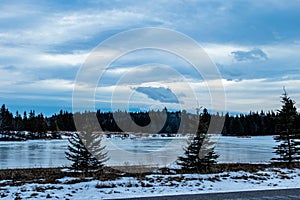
74, 59
18, 10
221, 53
52, 85
27, 58
257, 94
40, 87
57, 28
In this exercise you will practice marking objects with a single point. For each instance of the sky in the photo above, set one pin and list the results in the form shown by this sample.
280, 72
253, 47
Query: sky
254, 45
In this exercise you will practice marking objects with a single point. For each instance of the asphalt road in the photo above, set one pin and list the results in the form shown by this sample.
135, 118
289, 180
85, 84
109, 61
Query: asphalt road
248, 195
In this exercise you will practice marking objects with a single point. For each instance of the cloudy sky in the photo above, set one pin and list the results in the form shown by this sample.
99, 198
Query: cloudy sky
255, 45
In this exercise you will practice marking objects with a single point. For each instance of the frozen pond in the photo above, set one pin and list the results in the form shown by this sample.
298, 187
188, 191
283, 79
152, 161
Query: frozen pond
33, 153
257, 149
50, 153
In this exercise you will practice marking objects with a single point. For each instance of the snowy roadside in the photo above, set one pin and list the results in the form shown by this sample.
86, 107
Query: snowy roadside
154, 185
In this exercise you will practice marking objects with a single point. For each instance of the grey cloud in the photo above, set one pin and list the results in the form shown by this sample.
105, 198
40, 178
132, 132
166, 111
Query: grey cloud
9, 68
254, 54
161, 94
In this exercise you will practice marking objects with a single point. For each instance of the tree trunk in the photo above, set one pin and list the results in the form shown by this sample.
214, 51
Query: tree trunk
289, 147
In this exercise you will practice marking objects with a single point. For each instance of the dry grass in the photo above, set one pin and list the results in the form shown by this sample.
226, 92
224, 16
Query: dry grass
49, 175
17, 177
235, 167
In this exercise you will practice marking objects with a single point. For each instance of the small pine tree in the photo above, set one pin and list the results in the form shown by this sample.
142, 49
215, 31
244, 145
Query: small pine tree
199, 155
85, 152
289, 144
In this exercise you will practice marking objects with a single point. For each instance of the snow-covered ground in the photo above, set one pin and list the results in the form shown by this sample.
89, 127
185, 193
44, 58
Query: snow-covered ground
156, 185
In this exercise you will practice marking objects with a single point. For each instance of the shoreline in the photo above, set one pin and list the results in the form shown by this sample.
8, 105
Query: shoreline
22, 136
21, 173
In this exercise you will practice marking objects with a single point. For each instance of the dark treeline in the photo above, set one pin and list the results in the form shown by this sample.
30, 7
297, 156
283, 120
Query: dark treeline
254, 123
33, 122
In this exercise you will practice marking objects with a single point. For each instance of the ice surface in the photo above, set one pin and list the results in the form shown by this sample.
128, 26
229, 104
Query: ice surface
51, 153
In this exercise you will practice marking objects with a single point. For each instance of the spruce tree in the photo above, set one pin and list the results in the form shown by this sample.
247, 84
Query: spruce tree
86, 152
199, 155
6, 120
289, 144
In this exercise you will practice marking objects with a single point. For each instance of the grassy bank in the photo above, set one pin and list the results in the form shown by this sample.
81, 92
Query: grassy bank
51, 175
